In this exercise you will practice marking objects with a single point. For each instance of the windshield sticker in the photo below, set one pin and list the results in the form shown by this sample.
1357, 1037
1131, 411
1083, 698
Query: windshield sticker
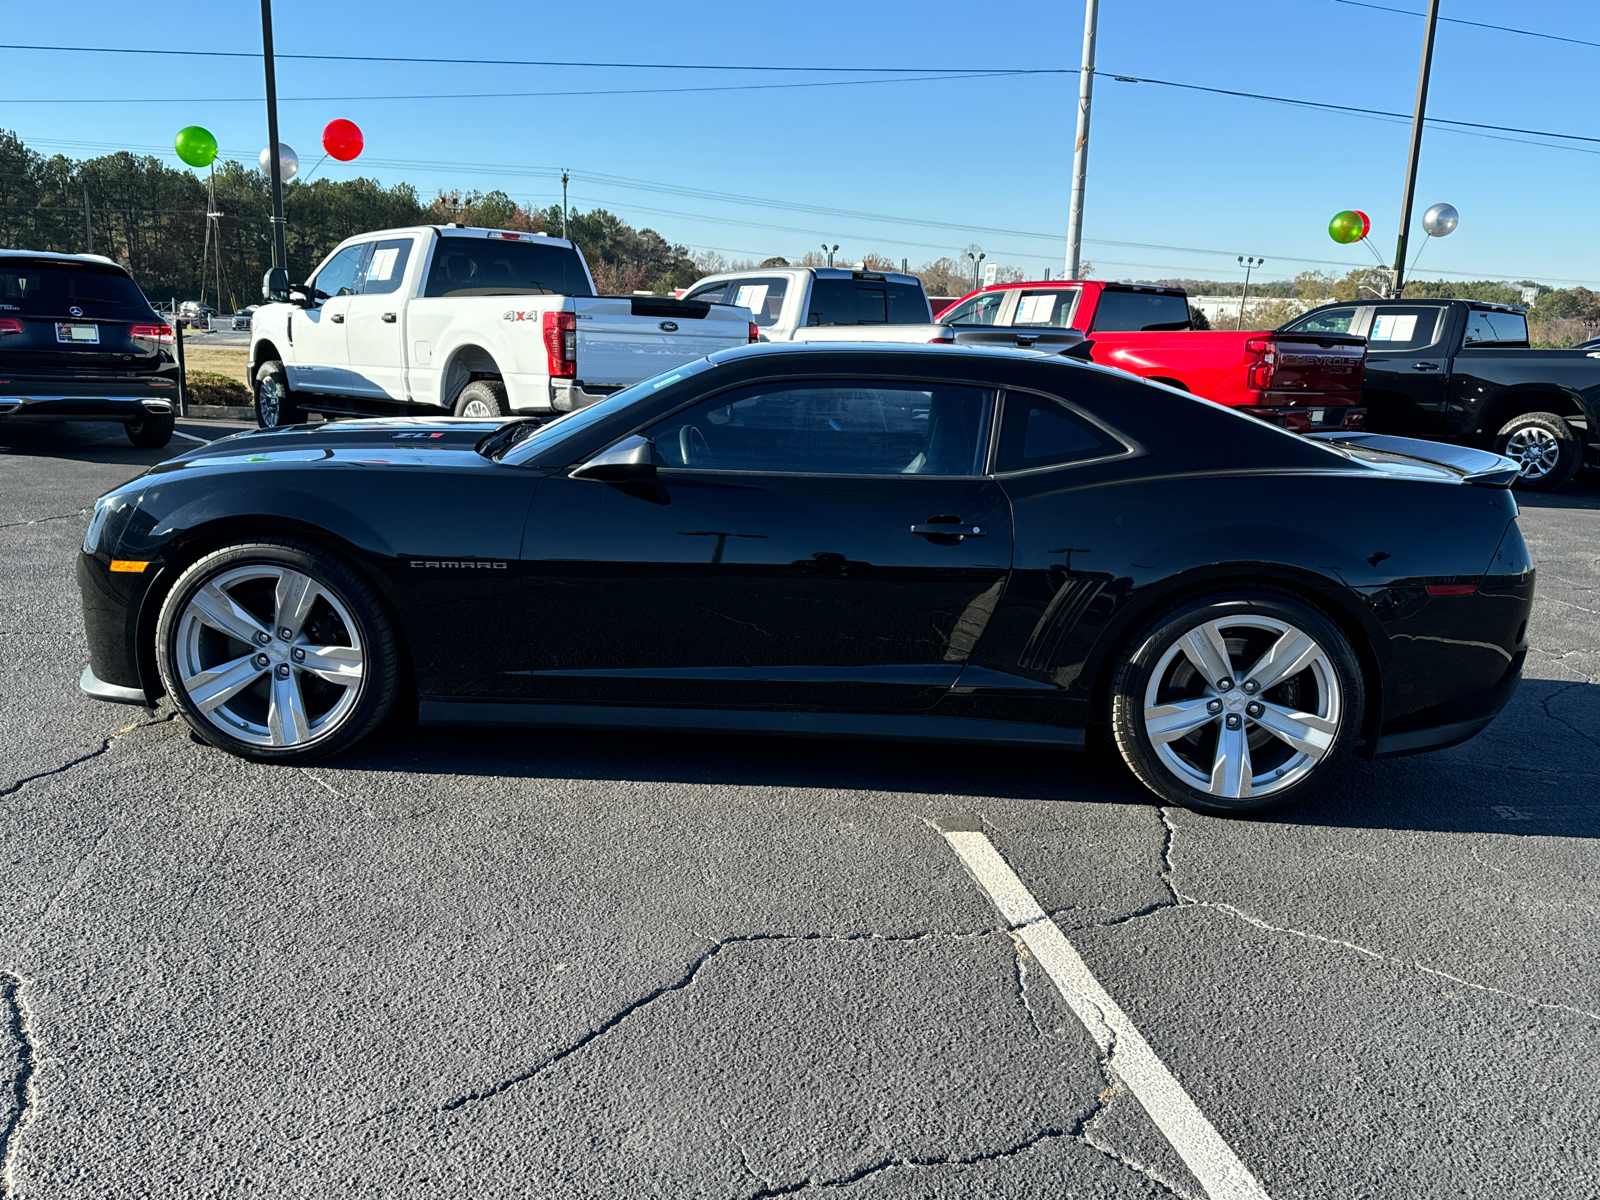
1035, 310
1394, 327
382, 267
752, 296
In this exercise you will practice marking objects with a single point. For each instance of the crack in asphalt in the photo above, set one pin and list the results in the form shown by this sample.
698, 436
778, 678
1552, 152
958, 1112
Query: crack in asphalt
105, 745
42, 520
1545, 704
19, 1029
679, 985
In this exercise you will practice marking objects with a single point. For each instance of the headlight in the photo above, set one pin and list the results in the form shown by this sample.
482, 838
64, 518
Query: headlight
97, 522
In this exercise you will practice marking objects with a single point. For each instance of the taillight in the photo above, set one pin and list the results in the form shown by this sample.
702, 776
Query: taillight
1258, 377
152, 333
561, 343
10, 325
755, 332
1453, 589
947, 339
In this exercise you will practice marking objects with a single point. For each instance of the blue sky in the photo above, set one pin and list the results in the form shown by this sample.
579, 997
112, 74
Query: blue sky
1191, 179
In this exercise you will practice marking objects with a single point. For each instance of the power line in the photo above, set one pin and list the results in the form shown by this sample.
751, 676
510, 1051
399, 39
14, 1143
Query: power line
735, 87
518, 62
1552, 37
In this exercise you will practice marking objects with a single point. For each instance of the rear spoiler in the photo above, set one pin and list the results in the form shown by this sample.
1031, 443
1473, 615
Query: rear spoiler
1482, 467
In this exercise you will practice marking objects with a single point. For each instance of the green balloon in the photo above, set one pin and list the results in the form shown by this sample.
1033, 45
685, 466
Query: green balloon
1346, 227
196, 146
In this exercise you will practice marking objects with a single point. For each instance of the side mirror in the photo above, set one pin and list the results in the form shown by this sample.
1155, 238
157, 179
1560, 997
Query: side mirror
275, 286
631, 458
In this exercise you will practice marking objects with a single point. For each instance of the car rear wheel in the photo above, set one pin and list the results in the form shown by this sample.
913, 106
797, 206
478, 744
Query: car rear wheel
151, 431
275, 404
483, 398
1547, 449
276, 651
1233, 704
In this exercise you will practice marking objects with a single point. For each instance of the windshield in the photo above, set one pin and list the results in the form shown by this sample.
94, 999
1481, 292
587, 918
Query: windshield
50, 289
553, 432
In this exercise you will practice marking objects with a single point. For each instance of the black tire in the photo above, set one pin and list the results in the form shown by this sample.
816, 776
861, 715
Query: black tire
151, 431
1549, 450
351, 668
483, 398
1159, 679
276, 404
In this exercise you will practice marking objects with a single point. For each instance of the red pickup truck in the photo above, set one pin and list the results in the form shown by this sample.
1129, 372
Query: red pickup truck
1300, 381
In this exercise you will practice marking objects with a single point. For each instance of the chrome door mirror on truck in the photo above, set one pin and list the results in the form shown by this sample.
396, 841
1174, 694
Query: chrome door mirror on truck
631, 458
275, 286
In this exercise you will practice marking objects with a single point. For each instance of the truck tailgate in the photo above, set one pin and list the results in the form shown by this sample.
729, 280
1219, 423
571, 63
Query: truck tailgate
1324, 368
624, 339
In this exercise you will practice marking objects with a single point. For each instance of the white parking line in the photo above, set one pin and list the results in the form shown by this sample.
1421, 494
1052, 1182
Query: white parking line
1210, 1159
189, 437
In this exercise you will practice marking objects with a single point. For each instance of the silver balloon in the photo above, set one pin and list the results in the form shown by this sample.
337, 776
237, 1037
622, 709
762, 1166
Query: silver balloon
1440, 220
289, 162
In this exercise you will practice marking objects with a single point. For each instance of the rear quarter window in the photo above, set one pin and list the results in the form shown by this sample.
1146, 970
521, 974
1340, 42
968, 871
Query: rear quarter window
866, 302
1141, 312
1492, 328
469, 266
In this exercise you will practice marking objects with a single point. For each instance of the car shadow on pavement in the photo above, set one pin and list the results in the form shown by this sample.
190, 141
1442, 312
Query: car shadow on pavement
1582, 493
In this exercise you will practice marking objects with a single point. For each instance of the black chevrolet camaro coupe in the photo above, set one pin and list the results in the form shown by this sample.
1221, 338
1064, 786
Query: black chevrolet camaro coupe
935, 543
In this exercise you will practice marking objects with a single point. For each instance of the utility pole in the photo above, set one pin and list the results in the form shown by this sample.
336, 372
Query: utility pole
1080, 153
280, 252
1416, 148
88, 229
563, 202
1249, 263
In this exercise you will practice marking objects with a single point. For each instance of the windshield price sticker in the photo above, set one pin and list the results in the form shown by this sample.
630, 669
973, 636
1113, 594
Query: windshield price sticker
382, 267
1035, 310
1396, 327
752, 296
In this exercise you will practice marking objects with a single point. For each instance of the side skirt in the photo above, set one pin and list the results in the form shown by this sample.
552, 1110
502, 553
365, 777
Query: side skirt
871, 726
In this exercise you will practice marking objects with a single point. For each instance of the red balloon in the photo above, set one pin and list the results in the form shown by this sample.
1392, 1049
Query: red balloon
1366, 221
342, 139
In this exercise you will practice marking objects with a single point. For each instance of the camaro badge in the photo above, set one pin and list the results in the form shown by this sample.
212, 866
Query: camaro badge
454, 564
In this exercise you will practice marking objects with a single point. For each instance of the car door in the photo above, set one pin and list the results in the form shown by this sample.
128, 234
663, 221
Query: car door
816, 543
375, 321
1408, 368
321, 352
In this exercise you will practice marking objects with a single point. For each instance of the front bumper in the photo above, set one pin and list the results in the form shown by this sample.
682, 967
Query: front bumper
112, 693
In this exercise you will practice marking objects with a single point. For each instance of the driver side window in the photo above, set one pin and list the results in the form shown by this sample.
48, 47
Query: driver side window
980, 310
338, 276
826, 427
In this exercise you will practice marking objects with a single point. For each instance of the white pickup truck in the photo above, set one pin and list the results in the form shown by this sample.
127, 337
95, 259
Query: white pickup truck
836, 304
476, 322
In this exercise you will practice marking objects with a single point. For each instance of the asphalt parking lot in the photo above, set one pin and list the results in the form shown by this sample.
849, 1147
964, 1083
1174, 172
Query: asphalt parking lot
491, 963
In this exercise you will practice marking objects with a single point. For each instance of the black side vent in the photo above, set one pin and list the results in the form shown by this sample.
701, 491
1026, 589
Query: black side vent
666, 306
1063, 612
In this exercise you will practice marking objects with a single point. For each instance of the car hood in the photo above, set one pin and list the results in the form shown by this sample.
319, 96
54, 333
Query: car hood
390, 439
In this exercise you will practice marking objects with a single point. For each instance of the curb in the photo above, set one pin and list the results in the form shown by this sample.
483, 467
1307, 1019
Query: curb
220, 412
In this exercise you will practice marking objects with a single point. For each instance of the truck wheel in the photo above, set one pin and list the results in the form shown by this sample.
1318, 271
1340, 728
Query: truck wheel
275, 404
151, 431
1236, 702
483, 398
1547, 448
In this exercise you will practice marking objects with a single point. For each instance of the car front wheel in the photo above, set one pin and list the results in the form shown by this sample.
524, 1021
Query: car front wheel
276, 651
1237, 703
1546, 448
275, 404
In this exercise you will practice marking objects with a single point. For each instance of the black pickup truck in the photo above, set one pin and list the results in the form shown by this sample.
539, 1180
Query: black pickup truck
1461, 371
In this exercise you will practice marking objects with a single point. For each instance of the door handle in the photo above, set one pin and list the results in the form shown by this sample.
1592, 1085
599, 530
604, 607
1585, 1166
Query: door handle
949, 529
1424, 366
389, 317
336, 318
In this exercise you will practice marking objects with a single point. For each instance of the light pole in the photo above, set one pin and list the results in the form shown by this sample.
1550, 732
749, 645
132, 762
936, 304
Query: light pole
280, 253
563, 203
1416, 148
1080, 153
830, 253
976, 259
1249, 263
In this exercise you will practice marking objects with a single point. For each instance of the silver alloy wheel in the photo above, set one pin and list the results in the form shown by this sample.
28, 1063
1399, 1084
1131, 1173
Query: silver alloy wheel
1536, 449
1243, 706
267, 401
477, 408
281, 684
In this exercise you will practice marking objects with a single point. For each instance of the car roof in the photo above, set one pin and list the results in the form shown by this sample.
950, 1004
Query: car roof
99, 260
1375, 302
866, 352
461, 231
819, 272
